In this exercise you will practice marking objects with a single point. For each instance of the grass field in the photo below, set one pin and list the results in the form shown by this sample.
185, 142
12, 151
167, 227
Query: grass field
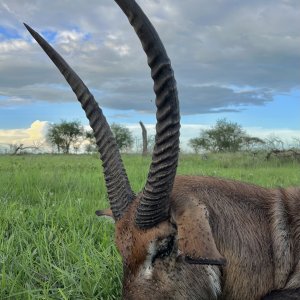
52, 246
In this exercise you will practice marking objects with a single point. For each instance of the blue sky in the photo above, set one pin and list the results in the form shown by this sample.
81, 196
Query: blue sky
239, 61
8, 33
282, 112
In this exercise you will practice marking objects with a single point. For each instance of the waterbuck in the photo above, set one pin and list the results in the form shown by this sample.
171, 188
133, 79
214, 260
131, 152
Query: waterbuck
190, 237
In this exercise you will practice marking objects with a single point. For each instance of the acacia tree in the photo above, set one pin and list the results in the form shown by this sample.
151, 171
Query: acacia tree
18, 148
123, 136
252, 143
274, 143
197, 144
225, 136
64, 135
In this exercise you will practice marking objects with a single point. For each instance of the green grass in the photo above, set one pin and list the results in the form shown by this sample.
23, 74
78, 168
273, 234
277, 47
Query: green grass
52, 246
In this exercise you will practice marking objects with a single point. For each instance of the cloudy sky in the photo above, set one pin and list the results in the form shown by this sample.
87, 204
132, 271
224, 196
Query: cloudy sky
235, 59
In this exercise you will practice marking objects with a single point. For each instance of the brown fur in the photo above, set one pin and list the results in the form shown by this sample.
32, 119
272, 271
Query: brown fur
256, 230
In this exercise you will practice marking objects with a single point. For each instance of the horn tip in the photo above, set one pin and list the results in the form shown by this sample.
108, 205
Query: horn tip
32, 32
27, 26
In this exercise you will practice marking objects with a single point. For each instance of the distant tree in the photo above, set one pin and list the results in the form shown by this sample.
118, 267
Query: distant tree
91, 146
123, 136
18, 148
296, 143
225, 136
198, 143
274, 143
150, 143
76, 146
64, 135
251, 143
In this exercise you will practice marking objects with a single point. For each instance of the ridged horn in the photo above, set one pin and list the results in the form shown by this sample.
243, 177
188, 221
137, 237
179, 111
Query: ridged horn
118, 187
154, 202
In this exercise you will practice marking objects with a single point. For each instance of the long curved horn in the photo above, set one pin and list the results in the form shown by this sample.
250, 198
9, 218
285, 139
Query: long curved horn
154, 203
118, 187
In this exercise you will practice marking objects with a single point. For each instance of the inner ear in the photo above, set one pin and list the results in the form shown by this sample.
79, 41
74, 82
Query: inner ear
195, 239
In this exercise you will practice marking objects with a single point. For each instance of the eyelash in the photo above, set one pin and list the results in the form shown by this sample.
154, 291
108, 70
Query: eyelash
165, 248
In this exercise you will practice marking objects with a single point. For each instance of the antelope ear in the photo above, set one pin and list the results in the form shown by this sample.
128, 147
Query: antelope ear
105, 213
195, 239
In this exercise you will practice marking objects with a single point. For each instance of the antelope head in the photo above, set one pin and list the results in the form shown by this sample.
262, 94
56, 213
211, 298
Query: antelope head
159, 258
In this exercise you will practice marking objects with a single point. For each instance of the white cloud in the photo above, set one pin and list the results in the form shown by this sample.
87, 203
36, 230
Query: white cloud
68, 36
242, 43
122, 50
37, 130
227, 56
27, 136
13, 45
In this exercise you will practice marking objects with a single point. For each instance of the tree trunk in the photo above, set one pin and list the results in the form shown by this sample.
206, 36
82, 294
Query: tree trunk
145, 141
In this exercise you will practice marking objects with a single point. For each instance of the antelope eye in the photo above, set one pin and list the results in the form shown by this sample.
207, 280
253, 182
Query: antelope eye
164, 247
